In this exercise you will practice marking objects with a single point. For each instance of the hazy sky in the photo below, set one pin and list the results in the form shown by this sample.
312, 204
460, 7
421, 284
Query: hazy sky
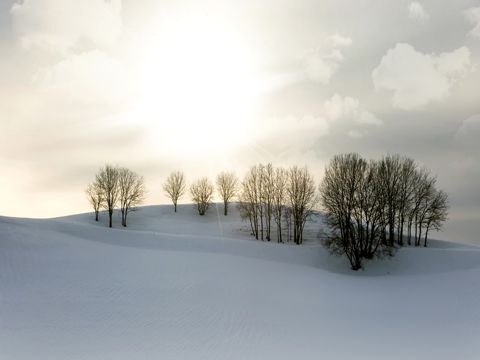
204, 86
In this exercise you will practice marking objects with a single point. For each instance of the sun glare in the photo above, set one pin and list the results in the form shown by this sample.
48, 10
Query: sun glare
198, 87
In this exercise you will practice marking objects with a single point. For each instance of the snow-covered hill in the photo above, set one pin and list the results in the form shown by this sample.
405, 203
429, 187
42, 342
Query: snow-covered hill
181, 286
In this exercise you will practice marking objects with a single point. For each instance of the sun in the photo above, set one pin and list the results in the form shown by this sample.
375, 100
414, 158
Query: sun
199, 86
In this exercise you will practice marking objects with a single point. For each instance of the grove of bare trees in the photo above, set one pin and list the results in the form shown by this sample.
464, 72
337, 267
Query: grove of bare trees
202, 194
115, 186
227, 186
285, 196
370, 205
175, 187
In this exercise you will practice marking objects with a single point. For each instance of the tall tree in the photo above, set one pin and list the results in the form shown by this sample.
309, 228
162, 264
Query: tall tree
339, 191
132, 191
279, 198
390, 169
227, 186
437, 213
175, 187
301, 195
107, 179
267, 195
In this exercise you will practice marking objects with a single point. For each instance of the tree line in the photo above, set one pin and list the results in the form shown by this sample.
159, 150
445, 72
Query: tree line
372, 206
268, 197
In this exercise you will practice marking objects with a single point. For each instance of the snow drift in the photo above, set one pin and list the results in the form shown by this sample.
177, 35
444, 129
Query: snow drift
181, 286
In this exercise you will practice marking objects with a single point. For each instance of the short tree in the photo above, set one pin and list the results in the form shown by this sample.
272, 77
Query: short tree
175, 187
227, 184
132, 191
107, 180
95, 197
202, 194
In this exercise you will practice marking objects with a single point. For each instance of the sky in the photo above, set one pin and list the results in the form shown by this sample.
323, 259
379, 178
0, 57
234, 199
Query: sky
206, 86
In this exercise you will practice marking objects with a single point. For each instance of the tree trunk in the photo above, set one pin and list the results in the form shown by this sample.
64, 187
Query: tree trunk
110, 215
225, 208
426, 236
125, 218
96, 215
175, 206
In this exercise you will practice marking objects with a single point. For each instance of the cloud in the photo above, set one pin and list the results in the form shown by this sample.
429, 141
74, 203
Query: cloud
418, 79
416, 11
469, 131
323, 62
339, 108
473, 17
336, 114
88, 78
61, 25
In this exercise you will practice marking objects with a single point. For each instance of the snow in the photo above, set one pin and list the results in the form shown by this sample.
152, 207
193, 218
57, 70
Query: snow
181, 286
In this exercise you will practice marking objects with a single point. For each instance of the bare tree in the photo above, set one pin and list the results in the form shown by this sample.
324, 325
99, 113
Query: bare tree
202, 194
287, 216
363, 203
301, 195
250, 200
95, 197
437, 213
405, 195
227, 186
341, 183
267, 196
175, 187
107, 180
132, 191
279, 198
389, 172
423, 187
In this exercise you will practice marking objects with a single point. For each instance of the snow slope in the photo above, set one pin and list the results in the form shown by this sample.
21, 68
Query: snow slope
180, 286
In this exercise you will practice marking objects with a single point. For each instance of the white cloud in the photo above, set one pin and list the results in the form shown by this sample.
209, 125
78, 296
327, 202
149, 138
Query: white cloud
323, 62
418, 79
416, 11
347, 108
90, 78
61, 24
473, 17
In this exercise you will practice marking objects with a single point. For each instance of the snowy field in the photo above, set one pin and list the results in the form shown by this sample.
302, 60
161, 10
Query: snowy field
180, 286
